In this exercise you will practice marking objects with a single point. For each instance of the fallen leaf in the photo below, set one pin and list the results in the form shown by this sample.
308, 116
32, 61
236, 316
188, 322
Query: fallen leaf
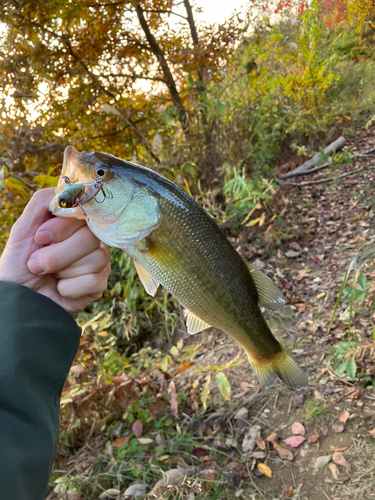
292, 253
77, 369
259, 455
344, 415
338, 427
199, 452
298, 428
111, 494
334, 471
182, 368
322, 461
283, 451
135, 490
339, 459
372, 433
122, 440
314, 438
294, 441
145, 440
172, 396
223, 385
173, 477
260, 443
248, 443
272, 438
332, 449
290, 492
297, 400
265, 470
321, 295
137, 428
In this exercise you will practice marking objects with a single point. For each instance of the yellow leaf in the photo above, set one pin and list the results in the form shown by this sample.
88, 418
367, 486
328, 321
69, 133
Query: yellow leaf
321, 295
206, 391
262, 219
265, 470
223, 385
253, 222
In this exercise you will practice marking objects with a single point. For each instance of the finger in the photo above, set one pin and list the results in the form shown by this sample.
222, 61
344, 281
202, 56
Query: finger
57, 229
53, 258
94, 262
35, 214
88, 284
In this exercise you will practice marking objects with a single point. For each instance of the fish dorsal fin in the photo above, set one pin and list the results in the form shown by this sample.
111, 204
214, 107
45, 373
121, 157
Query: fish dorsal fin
194, 324
148, 281
269, 295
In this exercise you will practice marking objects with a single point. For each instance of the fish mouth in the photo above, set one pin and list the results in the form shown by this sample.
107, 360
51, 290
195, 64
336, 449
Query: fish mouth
71, 168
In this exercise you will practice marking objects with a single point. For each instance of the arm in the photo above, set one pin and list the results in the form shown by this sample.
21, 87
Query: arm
39, 338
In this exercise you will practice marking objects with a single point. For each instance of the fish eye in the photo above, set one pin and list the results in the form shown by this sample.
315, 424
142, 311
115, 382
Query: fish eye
100, 172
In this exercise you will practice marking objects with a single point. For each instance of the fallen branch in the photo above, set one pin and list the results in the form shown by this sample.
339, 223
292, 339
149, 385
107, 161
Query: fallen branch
306, 168
329, 179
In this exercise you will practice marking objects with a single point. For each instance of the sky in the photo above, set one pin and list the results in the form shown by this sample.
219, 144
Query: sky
216, 11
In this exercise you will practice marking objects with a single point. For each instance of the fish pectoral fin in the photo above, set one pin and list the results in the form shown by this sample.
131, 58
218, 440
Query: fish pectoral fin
194, 324
269, 295
148, 281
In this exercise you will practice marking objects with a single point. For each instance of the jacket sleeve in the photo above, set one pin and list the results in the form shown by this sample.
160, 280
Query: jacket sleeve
38, 342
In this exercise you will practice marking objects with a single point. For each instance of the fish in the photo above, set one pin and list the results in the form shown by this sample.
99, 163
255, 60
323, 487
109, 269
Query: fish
176, 243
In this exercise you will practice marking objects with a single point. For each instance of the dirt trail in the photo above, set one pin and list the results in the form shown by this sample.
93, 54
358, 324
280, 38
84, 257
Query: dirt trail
331, 224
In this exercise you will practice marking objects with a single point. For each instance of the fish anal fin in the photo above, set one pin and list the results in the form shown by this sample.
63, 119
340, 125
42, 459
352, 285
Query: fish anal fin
194, 324
282, 366
269, 295
148, 281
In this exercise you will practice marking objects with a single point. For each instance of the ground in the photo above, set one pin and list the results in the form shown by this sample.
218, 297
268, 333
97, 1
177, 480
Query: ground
329, 224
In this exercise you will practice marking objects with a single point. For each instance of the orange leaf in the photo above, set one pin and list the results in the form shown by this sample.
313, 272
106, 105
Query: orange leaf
314, 438
333, 449
182, 368
283, 451
121, 441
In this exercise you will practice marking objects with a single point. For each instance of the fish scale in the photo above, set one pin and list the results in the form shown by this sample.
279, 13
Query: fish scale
179, 245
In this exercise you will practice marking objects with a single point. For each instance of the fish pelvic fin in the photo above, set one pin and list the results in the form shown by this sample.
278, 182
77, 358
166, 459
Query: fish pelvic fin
282, 366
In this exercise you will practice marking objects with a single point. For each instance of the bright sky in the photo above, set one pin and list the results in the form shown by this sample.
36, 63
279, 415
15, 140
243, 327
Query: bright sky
216, 11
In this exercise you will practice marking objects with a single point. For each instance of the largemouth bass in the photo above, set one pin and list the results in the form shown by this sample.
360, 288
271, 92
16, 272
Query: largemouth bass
176, 243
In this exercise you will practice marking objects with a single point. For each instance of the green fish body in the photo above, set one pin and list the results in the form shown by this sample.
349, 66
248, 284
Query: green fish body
176, 243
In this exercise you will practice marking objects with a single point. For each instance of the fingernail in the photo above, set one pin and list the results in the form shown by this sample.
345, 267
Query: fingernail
44, 237
35, 266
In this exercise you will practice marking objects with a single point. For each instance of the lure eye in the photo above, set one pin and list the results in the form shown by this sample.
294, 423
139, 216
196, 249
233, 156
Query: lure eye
63, 203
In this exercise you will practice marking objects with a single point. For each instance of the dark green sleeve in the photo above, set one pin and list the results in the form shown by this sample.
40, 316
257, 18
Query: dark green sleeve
38, 342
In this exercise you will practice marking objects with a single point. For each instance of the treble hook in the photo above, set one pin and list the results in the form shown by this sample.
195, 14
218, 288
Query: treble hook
105, 195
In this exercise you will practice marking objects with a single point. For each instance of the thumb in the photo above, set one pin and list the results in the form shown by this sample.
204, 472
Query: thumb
34, 215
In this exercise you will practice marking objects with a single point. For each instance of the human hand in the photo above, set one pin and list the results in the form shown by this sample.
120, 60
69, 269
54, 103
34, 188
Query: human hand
56, 257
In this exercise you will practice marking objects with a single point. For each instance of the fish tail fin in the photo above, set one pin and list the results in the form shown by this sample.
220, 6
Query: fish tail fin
282, 366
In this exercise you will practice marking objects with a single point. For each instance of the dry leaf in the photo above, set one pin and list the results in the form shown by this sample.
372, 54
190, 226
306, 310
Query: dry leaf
122, 440
290, 492
145, 440
344, 415
173, 477
334, 471
172, 396
135, 490
339, 459
314, 438
273, 438
294, 441
332, 449
77, 369
249, 440
321, 295
259, 455
265, 470
260, 443
338, 427
137, 428
322, 461
297, 400
298, 428
283, 451
372, 433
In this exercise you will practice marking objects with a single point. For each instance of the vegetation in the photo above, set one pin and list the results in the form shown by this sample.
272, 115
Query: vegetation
217, 109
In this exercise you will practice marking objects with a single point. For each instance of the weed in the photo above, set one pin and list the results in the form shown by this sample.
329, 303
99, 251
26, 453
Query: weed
313, 409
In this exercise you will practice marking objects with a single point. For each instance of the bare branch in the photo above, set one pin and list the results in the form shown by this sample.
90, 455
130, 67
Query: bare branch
329, 179
165, 12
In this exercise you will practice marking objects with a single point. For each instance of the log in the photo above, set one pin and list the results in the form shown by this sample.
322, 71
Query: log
307, 167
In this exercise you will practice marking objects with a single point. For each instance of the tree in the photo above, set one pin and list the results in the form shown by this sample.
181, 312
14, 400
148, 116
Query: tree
111, 75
